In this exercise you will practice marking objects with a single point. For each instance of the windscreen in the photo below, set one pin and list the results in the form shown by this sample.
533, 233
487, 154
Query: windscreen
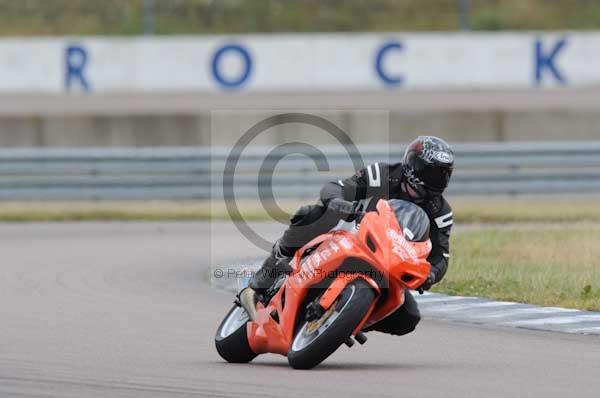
412, 219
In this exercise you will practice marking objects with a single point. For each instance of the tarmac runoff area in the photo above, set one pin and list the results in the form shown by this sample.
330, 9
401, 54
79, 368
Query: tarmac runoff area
126, 310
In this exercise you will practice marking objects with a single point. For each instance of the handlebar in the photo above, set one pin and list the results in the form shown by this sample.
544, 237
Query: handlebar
359, 216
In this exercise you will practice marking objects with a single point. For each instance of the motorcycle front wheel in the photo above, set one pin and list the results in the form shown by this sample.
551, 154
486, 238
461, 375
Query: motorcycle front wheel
231, 339
318, 339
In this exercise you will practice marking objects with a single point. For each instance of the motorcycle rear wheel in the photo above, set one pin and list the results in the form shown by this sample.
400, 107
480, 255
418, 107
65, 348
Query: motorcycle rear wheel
231, 339
316, 340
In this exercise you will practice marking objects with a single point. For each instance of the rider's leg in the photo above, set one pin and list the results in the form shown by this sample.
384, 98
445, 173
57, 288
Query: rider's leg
306, 224
402, 321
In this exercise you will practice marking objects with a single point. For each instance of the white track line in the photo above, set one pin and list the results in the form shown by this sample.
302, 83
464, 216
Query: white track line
468, 306
525, 311
588, 329
444, 298
555, 320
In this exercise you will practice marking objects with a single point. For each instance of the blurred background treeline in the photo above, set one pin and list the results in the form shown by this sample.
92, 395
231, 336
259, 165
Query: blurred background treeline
133, 17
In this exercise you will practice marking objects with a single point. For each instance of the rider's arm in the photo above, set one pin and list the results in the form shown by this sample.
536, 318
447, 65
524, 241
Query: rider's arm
364, 183
440, 253
441, 225
329, 191
332, 197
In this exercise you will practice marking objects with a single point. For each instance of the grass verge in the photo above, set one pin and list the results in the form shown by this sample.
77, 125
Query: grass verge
483, 210
554, 265
127, 211
126, 17
526, 210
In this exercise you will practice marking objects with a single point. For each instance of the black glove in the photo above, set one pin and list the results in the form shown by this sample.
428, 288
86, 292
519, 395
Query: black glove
345, 209
428, 282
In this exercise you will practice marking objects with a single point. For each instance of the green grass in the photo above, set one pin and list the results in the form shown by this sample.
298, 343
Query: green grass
128, 211
466, 211
552, 265
125, 17
509, 210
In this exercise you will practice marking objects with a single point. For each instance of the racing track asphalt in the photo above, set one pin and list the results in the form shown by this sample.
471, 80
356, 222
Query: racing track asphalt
123, 310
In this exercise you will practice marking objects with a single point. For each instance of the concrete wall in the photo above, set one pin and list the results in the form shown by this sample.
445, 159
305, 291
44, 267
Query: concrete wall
378, 87
103, 131
182, 120
207, 128
346, 62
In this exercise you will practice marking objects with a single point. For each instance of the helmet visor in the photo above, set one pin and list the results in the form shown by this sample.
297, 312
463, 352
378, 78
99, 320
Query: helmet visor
434, 177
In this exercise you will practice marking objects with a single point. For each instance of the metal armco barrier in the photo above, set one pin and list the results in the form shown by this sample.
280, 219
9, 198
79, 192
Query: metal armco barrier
197, 173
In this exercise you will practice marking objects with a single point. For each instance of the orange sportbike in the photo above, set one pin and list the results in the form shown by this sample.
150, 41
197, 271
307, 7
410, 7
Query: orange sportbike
341, 282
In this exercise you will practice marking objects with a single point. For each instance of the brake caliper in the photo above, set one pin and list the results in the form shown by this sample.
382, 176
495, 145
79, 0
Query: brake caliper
314, 311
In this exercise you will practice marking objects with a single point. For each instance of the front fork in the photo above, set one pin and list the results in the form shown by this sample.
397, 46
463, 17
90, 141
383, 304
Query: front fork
336, 288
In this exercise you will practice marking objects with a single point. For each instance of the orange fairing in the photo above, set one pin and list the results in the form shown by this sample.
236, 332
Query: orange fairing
378, 253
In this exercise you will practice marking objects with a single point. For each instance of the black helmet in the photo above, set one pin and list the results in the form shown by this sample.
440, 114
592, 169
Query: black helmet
427, 165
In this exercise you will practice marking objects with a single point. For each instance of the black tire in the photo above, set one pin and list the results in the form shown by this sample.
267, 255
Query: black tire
232, 345
353, 304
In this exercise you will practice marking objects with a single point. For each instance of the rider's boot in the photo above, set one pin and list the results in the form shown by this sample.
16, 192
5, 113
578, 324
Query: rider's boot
248, 300
273, 267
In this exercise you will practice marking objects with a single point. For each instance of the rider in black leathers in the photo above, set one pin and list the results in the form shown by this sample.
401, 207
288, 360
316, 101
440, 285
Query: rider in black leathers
421, 178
